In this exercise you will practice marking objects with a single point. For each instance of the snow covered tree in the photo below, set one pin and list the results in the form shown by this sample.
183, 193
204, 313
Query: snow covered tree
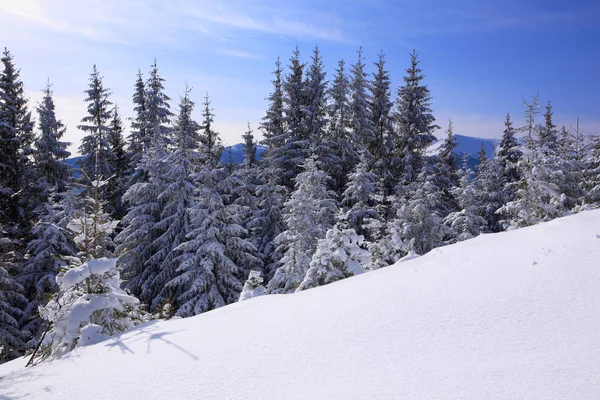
16, 138
308, 214
174, 202
250, 160
293, 147
418, 226
361, 197
139, 140
215, 257
135, 240
465, 223
360, 124
339, 141
253, 286
50, 152
212, 147
273, 125
548, 134
12, 304
414, 123
381, 118
267, 222
119, 165
489, 188
447, 178
315, 120
339, 255
509, 156
89, 307
157, 115
95, 146
51, 243
592, 173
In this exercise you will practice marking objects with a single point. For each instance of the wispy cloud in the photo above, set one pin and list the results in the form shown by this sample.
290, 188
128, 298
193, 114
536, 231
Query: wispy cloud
239, 54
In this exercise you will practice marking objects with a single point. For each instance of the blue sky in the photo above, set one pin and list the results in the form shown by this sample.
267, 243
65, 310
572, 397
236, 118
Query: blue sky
480, 57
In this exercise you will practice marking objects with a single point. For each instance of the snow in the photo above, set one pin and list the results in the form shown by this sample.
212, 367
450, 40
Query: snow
77, 275
513, 315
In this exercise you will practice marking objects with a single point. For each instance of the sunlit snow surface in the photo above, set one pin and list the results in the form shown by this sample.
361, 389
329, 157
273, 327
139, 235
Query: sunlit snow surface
513, 315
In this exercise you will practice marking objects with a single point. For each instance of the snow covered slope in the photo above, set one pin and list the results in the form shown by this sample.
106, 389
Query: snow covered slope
514, 315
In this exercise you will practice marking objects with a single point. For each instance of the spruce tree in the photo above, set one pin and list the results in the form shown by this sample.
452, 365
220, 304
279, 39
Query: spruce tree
294, 146
49, 151
175, 201
361, 197
209, 137
361, 124
95, 146
50, 246
308, 214
414, 123
273, 125
447, 176
509, 156
339, 255
157, 115
139, 140
120, 166
215, 258
381, 117
338, 140
16, 139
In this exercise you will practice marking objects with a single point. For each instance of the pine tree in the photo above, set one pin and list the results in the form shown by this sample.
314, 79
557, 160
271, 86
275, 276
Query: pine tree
49, 152
294, 145
339, 141
548, 134
12, 304
50, 245
157, 115
361, 197
309, 213
465, 223
339, 255
16, 139
414, 123
250, 160
447, 177
381, 118
95, 146
209, 137
418, 226
139, 141
176, 201
119, 165
489, 192
267, 222
139, 225
509, 156
314, 120
273, 125
215, 257
89, 307
361, 124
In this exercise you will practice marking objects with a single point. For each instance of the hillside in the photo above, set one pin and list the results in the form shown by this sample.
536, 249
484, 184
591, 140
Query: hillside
513, 315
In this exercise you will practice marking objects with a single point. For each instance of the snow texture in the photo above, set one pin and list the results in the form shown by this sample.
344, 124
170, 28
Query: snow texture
474, 320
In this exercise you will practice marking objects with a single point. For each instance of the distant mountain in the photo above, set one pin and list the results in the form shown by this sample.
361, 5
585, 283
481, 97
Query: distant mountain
237, 156
467, 145
237, 153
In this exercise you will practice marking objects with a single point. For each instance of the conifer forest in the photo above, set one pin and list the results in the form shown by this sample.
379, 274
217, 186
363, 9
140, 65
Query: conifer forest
152, 224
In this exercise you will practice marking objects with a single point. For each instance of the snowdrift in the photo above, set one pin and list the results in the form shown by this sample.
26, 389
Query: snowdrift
514, 315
